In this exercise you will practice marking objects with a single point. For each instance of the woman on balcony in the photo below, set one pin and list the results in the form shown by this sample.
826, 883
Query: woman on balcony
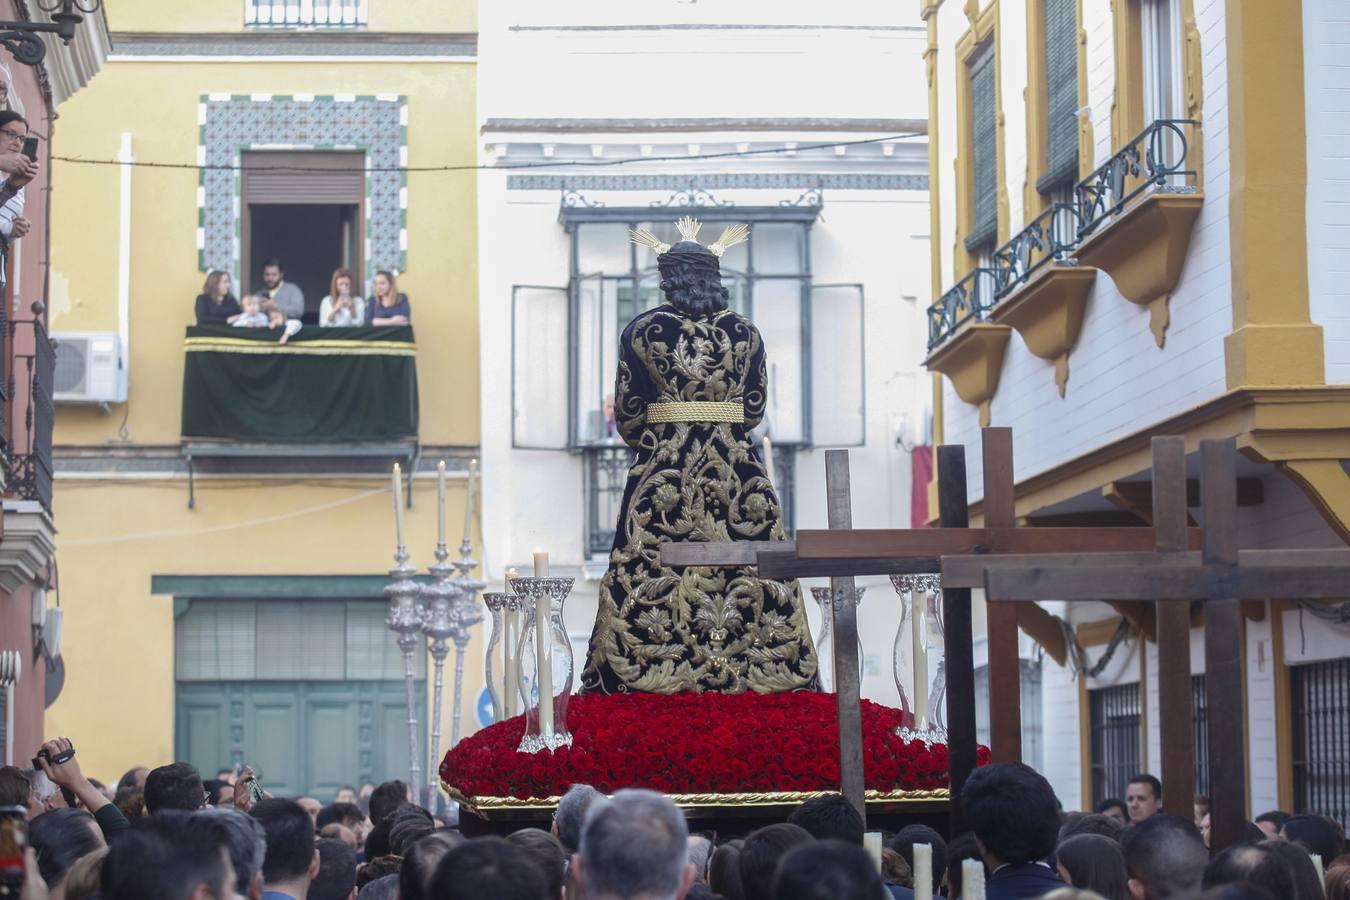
215, 304
388, 306
690, 387
340, 309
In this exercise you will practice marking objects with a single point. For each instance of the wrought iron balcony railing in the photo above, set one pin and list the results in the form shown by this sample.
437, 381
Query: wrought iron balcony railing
306, 13
32, 375
1155, 160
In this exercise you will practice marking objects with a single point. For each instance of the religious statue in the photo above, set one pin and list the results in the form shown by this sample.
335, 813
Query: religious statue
691, 384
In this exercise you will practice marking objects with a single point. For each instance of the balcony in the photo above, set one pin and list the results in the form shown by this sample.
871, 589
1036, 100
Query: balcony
342, 14
1131, 218
31, 414
340, 394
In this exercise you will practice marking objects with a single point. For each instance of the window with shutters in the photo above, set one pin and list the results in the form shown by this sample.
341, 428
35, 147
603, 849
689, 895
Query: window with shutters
1321, 750
1060, 67
984, 153
1114, 756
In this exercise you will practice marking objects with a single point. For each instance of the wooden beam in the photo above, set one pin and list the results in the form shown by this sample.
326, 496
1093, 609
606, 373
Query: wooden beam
773, 564
865, 543
1005, 671
1176, 714
721, 553
1110, 583
1097, 518
968, 570
1139, 613
1298, 558
1044, 629
1138, 495
848, 688
1093, 634
1225, 715
958, 640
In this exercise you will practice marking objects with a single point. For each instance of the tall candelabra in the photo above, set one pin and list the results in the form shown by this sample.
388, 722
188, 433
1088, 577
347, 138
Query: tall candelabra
405, 620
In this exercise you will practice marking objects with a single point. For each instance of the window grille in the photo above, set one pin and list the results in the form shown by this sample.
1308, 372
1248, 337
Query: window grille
984, 229
1321, 745
306, 13
1114, 724
1061, 74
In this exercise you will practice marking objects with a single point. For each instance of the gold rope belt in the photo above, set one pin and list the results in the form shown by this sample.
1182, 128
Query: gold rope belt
732, 411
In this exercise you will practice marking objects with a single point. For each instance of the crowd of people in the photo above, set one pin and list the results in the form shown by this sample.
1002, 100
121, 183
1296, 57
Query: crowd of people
279, 303
165, 834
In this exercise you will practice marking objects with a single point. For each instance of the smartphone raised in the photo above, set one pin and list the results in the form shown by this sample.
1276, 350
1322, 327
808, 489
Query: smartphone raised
30, 148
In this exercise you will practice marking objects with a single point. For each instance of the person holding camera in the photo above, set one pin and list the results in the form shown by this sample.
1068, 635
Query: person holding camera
57, 761
19, 164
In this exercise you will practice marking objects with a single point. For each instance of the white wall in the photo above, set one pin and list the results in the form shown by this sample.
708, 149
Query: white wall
1326, 33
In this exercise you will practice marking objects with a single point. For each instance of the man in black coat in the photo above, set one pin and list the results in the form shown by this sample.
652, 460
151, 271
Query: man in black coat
1015, 817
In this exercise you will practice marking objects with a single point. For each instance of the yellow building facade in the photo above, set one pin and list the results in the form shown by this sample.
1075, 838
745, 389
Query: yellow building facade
220, 594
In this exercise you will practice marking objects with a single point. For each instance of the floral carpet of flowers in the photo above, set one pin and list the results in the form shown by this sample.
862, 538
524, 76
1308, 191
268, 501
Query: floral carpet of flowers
693, 744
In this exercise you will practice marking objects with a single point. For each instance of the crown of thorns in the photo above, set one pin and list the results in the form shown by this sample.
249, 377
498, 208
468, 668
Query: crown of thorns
688, 228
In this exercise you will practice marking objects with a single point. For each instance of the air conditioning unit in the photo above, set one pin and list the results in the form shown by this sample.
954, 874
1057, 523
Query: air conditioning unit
89, 367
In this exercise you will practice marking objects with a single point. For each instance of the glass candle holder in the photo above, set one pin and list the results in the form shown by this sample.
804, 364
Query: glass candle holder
544, 731
825, 640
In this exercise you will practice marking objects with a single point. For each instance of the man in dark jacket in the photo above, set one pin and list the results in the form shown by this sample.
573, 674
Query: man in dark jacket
1015, 817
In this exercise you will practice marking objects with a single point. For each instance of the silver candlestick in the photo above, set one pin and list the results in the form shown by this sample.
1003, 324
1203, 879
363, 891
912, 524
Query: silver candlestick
465, 613
405, 620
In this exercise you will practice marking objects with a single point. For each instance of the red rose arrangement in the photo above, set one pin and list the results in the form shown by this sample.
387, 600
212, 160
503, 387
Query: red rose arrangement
694, 744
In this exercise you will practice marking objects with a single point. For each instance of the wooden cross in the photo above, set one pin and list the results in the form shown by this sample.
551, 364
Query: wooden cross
1221, 578
842, 553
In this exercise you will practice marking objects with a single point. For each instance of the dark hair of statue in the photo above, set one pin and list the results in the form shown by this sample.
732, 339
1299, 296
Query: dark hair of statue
692, 281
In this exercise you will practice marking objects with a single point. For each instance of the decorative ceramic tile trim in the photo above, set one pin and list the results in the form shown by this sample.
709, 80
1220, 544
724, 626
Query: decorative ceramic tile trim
728, 181
229, 124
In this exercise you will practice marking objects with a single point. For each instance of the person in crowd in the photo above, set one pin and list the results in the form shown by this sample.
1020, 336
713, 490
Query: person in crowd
489, 867
215, 304
133, 778
635, 845
764, 849
250, 313
1238, 892
1143, 797
420, 862
903, 843
547, 853
1165, 858
1248, 864
830, 816
61, 837
130, 802
226, 775
1271, 822
827, 870
571, 814
896, 875
70, 778
82, 881
341, 308
386, 798
342, 813
724, 870
1201, 807
1114, 808
16, 789
1204, 824
1094, 862
1300, 866
388, 306
1316, 833
336, 879
341, 833
700, 852
175, 786
380, 867
291, 862
247, 846
1337, 882
1015, 817
172, 855
19, 171
311, 806
345, 794
287, 297
1091, 823
408, 825
962, 848
383, 888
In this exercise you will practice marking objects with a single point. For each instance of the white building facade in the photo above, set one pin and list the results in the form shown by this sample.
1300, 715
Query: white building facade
813, 131
1138, 220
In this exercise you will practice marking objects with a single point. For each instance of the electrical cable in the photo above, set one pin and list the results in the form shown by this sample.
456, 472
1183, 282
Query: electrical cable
549, 164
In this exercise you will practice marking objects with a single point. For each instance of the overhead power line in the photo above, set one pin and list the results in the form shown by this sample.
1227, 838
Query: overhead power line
548, 164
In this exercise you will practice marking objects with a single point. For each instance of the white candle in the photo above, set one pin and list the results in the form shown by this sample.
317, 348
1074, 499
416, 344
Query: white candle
919, 620
468, 499
440, 503
511, 626
872, 844
398, 504
1317, 864
923, 872
544, 645
972, 879
768, 459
